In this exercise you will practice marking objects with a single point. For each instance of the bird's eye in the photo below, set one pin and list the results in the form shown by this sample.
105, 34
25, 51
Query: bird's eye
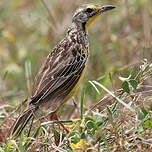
89, 10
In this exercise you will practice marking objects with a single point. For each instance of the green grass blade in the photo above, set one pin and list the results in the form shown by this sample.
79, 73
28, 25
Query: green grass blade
82, 103
30, 127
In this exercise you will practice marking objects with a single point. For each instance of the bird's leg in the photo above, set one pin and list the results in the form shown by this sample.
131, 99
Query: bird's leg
54, 131
53, 116
61, 124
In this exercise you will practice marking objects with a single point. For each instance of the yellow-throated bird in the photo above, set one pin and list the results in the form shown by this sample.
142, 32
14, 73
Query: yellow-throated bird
64, 68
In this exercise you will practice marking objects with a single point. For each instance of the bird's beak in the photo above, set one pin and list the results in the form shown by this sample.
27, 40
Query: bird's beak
105, 8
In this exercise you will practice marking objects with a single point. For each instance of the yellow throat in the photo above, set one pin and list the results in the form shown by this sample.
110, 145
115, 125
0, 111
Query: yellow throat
92, 18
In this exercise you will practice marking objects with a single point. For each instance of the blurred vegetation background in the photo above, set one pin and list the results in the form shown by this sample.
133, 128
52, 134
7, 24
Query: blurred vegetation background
118, 39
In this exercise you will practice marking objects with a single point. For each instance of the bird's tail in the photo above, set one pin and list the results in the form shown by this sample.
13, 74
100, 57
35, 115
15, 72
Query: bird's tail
21, 121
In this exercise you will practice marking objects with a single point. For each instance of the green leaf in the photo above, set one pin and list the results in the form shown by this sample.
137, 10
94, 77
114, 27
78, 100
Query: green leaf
125, 86
99, 123
140, 116
88, 118
73, 133
69, 150
74, 137
147, 124
106, 80
90, 124
133, 83
83, 136
144, 112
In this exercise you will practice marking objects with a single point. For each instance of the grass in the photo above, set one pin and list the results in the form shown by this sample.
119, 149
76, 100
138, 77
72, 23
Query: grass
115, 111
120, 121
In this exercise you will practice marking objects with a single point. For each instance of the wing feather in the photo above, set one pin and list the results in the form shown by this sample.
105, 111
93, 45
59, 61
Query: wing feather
59, 73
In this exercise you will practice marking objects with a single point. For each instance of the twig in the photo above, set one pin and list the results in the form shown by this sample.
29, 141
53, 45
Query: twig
5, 75
145, 141
6, 106
106, 99
50, 14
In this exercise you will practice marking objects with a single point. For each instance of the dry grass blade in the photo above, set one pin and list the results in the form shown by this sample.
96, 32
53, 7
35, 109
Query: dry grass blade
50, 14
119, 100
106, 100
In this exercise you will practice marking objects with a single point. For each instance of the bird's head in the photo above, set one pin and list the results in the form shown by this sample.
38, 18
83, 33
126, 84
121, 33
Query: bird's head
87, 13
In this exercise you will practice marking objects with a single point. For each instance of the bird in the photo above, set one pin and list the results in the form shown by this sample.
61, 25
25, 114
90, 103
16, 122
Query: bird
62, 71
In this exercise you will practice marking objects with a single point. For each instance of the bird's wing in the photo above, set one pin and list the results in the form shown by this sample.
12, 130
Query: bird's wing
61, 68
